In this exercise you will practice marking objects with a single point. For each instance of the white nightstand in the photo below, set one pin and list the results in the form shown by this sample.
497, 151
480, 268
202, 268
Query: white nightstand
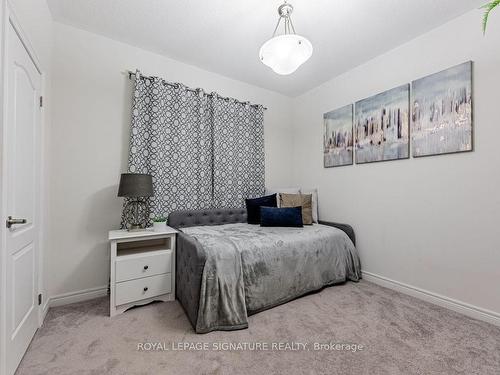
142, 268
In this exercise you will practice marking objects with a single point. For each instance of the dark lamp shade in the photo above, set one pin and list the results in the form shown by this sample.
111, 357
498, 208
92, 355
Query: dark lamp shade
135, 185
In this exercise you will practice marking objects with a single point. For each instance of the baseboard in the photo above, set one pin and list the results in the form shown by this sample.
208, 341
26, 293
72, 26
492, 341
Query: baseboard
78, 296
45, 310
437, 299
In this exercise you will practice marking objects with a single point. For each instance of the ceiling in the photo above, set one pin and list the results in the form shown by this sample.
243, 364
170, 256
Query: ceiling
224, 36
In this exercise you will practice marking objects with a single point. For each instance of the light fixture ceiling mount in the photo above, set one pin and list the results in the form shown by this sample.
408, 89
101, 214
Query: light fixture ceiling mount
286, 52
285, 10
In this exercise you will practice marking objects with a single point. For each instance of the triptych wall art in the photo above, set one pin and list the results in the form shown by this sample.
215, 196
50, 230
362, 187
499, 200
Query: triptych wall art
382, 126
438, 118
338, 138
442, 112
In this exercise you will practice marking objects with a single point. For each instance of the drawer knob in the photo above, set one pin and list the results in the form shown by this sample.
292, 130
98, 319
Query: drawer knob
145, 288
146, 267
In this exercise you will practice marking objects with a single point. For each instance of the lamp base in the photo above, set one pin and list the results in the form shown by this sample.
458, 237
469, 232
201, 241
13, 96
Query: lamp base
136, 214
134, 227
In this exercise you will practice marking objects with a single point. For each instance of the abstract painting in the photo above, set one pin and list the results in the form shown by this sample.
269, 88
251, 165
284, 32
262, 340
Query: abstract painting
337, 137
382, 126
442, 112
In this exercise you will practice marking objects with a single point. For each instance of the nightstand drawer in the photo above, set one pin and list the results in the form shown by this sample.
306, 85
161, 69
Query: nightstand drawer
134, 267
147, 287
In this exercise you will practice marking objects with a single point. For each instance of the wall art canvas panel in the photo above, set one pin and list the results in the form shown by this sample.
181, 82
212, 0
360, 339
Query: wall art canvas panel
338, 137
442, 112
382, 126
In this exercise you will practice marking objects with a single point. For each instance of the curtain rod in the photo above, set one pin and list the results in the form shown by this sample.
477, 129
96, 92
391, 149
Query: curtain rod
133, 74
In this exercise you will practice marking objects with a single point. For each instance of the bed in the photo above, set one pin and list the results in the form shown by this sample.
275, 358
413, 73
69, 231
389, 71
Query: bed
228, 269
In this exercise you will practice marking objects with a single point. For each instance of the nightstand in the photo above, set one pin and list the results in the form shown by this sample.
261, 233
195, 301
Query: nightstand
142, 268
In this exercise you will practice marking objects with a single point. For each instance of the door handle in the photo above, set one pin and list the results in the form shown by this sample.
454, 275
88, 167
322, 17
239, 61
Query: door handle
10, 221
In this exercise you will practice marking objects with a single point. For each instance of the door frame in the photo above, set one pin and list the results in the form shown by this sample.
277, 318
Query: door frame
7, 18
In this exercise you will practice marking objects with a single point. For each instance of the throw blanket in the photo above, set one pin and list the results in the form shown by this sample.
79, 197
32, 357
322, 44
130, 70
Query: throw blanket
251, 268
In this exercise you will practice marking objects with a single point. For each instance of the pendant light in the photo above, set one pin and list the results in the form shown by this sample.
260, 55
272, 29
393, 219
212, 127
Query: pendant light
286, 52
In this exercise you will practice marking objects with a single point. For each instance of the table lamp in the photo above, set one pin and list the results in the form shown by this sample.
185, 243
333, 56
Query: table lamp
136, 187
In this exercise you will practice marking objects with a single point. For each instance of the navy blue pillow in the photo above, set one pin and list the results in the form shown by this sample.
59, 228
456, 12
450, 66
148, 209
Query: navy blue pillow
254, 205
281, 217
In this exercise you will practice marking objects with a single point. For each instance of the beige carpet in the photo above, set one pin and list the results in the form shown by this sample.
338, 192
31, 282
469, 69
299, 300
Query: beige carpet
399, 335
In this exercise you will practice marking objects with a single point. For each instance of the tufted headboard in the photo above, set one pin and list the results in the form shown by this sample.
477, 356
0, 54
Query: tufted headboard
191, 218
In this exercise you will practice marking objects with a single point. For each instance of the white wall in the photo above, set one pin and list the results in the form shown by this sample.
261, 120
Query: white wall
90, 143
432, 222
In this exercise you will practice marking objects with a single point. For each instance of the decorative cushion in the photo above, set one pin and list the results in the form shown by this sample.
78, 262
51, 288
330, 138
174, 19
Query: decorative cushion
303, 200
254, 205
281, 217
287, 190
314, 193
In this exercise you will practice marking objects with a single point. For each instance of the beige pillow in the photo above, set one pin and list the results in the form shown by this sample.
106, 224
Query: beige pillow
314, 193
288, 190
296, 200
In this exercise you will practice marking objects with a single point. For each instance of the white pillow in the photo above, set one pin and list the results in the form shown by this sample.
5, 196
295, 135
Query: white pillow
314, 193
288, 190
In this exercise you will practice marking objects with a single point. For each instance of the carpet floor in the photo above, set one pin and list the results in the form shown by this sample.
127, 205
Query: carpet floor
384, 332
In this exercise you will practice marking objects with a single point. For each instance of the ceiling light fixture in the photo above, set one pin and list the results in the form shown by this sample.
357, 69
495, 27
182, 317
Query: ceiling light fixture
285, 53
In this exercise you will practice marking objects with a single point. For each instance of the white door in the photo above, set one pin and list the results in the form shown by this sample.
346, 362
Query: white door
22, 166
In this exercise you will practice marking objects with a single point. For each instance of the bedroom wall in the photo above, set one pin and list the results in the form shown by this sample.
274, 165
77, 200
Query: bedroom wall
430, 223
90, 145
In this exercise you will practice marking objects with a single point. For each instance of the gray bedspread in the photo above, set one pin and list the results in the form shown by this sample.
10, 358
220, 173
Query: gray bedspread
251, 268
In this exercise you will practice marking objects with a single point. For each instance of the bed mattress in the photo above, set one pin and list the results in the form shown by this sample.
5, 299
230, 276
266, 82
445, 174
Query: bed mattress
249, 268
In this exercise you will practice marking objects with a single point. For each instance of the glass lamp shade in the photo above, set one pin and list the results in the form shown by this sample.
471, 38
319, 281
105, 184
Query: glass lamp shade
285, 53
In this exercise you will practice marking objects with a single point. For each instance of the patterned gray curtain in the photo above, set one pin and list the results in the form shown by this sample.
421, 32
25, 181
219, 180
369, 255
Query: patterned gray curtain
204, 151
238, 152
